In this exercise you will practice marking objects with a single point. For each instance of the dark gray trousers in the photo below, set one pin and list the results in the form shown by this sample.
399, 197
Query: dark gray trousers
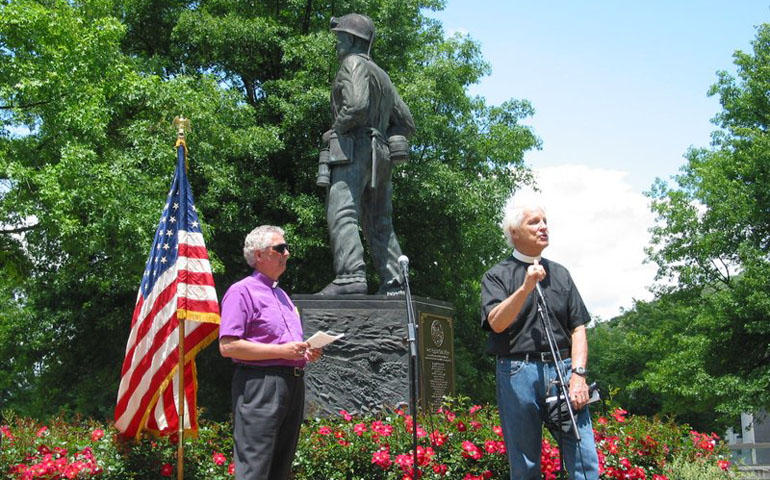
268, 406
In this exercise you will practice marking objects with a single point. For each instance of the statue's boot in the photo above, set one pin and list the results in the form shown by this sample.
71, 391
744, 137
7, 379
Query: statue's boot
350, 288
393, 287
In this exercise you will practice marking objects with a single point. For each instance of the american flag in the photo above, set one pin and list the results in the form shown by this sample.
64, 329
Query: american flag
177, 285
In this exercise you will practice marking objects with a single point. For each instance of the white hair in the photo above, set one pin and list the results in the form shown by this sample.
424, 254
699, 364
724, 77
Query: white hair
258, 239
513, 212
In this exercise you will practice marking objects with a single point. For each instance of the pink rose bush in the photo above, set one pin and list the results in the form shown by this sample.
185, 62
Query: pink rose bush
457, 441
466, 442
30, 450
640, 448
79, 449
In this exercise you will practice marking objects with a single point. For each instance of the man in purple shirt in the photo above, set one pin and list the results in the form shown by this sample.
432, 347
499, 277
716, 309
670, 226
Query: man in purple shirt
261, 331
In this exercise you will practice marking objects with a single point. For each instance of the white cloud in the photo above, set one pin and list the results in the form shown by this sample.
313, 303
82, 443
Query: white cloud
598, 230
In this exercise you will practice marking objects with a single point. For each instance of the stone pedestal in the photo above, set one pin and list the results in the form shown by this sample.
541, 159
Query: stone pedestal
367, 369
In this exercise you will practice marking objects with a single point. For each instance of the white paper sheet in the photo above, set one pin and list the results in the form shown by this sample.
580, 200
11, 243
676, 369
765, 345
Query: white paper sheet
321, 339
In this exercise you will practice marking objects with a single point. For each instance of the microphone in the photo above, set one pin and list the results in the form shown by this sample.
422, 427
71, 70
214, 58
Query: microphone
403, 262
537, 287
540, 293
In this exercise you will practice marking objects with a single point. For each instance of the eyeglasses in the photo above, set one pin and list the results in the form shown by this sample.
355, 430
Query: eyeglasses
280, 248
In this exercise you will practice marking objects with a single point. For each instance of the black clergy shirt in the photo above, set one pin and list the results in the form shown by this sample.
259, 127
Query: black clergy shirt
525, 335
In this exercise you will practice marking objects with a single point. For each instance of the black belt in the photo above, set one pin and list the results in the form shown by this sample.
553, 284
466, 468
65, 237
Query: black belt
536, 356
277, 369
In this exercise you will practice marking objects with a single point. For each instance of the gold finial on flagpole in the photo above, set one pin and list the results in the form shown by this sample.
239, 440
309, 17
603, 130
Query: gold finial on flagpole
182, 126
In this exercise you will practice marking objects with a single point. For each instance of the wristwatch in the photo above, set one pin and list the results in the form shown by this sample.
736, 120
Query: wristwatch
580, 371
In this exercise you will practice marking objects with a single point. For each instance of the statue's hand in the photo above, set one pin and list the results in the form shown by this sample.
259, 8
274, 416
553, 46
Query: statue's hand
326, 135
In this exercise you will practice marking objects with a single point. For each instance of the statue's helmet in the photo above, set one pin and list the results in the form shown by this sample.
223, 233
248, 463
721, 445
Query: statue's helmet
355, 24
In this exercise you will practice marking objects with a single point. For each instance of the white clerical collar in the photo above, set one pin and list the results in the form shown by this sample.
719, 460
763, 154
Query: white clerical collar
525, 258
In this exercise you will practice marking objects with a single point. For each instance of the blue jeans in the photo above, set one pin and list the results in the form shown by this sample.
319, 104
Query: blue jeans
522, 388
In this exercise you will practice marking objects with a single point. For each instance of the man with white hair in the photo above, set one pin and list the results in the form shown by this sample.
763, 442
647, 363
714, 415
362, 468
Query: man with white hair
262, 333
525, 370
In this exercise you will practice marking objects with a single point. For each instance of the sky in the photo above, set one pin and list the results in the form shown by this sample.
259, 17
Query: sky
620, 94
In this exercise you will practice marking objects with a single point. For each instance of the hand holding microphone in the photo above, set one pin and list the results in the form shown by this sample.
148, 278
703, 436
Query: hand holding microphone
535, 273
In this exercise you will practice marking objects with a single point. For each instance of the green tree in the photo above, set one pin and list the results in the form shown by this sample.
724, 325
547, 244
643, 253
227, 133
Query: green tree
652, 359
85, 190
87, 92
708, 334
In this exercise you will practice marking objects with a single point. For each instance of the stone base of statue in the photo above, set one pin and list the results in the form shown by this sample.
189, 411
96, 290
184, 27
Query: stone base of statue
367, 370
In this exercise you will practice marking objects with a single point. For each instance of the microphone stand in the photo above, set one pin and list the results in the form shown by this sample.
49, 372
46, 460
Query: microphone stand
563, 394
413, 367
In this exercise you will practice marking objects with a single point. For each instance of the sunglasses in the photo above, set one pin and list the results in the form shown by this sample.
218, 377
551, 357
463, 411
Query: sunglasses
280, 248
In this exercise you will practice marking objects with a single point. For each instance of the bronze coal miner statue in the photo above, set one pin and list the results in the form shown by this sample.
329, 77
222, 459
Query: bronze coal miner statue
369, 135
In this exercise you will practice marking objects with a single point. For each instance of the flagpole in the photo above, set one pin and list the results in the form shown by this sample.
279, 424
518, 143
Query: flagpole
180, 408
181, 124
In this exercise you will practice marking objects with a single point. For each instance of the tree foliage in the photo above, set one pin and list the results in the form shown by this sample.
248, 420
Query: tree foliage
704, 344
652, 358
88, 90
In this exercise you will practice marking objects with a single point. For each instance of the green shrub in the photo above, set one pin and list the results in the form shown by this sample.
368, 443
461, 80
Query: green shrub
683, 468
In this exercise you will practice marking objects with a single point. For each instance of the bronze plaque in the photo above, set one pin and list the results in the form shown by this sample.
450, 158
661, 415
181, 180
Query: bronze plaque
437, 372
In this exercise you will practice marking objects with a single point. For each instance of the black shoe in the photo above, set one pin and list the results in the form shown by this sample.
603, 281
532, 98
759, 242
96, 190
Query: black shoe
355, 288
391, 289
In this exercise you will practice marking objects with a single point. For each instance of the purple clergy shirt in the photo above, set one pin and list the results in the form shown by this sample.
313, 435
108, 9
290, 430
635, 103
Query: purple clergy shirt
255, 309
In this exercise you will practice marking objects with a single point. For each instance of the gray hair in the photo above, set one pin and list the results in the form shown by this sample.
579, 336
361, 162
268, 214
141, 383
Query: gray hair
513, 212
258, 239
